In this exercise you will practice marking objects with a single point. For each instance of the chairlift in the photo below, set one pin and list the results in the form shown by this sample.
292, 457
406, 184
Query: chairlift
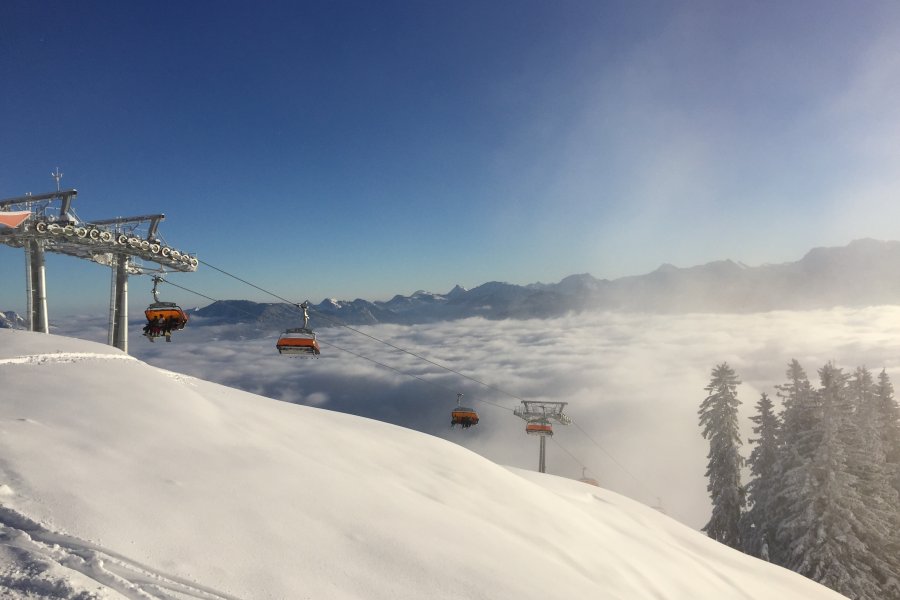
163, 317
539, 426
463, 415
299, 341
588, 480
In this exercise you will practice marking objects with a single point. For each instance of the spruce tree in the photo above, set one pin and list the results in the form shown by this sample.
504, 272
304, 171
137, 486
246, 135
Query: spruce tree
718, 418
889, 427
797, 446
758, 530
869, 457
866, 460
828, 524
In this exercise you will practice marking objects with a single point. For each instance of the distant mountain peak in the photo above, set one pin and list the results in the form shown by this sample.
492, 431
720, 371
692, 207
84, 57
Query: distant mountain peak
578, 277
862, 246
666, 268
868, 242
818, 280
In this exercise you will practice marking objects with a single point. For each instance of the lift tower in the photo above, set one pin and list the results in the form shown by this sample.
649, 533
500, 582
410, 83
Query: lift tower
46, 223
537, 416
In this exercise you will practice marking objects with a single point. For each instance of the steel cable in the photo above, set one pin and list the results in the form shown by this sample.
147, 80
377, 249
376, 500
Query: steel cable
431, 362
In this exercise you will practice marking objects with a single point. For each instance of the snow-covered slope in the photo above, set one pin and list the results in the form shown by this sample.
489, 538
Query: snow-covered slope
121, 480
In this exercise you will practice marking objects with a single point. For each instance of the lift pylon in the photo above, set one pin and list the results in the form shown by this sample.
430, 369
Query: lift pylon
537, 416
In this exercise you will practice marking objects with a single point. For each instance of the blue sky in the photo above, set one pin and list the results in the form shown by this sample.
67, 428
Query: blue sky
361, 149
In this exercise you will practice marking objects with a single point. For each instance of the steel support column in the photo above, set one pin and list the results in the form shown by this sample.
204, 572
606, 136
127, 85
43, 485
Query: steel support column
29, 308
118, 312
111, 325
542, 461
37, 292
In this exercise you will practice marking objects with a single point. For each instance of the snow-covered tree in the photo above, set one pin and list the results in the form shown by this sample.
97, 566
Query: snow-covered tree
824, 533
866, 460
889, 426
801, 412
718, 419
797, 446
758, 530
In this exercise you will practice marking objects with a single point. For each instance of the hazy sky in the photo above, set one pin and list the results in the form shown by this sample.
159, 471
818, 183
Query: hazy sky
361, 149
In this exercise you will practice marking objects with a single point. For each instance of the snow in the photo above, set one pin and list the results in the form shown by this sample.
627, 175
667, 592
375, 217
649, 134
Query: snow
122, 480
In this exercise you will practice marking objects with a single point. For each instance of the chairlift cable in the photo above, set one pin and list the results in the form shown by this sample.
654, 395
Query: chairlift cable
420, 357
203, 262
445, 388
198, 294
615, 461
572, 456
436, 364
372, 337
381, 364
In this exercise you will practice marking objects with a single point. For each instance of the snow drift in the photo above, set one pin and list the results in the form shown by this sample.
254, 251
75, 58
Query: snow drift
121, 480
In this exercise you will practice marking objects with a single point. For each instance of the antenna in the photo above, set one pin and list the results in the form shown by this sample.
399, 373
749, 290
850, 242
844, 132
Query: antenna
57, 176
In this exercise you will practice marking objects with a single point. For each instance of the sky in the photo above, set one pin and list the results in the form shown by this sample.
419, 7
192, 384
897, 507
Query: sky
357, 149
188, 489
633, 382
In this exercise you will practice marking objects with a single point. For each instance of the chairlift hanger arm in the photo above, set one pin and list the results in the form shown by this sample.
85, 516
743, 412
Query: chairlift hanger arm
156, 281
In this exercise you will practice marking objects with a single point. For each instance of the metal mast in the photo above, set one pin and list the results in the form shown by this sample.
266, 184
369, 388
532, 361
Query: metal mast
536, 414
57, 176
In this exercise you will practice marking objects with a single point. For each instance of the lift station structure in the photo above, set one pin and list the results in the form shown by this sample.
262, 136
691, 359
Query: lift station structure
46, 223
537, 416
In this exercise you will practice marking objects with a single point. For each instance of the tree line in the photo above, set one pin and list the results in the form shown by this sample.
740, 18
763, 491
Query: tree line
824, 477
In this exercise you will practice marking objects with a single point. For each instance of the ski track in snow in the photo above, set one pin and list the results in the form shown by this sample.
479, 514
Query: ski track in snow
41, 559
61, 357
41, 564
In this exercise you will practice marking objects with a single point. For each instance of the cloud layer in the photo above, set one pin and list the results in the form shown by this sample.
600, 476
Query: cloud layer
633, 382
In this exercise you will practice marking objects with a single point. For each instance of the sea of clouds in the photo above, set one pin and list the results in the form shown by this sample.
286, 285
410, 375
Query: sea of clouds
633, 382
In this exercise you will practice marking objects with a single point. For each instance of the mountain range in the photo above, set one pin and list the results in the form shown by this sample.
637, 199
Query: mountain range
862, 273
859, 274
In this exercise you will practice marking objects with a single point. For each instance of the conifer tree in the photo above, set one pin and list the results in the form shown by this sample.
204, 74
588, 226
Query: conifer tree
758, 530
889, 426
718, 418
827, 526
866, 460
797, 446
